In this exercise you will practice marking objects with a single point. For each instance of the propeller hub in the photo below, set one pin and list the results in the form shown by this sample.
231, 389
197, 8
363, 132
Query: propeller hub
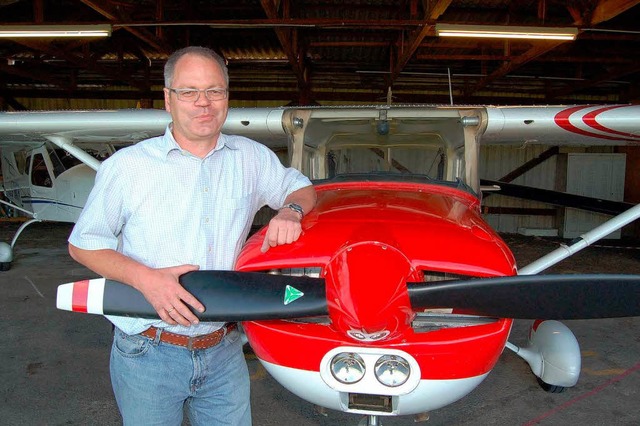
367, 292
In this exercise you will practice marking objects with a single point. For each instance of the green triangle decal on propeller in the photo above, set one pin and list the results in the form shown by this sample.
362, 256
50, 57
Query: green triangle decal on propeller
291, 294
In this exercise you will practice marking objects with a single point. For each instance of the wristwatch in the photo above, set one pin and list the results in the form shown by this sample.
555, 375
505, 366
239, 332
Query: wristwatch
295, 207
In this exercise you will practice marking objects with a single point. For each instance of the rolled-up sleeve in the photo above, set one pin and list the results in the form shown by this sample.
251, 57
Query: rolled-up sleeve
101, 219
276, 181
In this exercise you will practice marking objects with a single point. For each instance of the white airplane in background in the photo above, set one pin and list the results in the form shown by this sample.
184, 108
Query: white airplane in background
370, 340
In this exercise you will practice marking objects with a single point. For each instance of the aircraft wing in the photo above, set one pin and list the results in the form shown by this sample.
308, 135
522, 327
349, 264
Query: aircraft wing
128, 126
563, 125
516, 125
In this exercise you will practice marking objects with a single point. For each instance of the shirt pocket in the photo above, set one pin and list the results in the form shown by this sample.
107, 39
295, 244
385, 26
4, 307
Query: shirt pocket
242, 203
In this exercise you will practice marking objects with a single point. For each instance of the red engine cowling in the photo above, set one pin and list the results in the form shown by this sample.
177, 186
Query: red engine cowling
367, 240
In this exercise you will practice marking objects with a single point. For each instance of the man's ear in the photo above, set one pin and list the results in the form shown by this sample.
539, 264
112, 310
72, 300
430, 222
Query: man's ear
167, 104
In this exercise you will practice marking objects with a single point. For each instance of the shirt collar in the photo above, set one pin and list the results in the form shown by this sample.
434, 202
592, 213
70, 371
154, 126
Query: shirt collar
169, 143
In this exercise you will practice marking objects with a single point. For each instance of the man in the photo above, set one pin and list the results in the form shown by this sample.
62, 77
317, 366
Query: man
173, 204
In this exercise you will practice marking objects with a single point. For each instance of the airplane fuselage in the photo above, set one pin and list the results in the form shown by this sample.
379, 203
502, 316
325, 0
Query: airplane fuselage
39, 183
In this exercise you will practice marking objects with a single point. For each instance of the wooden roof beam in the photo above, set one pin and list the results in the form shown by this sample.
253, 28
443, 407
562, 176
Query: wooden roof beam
288, 38
607, 9
414, 42
33, 74
601, 12
610, 75
82, 63
108, 11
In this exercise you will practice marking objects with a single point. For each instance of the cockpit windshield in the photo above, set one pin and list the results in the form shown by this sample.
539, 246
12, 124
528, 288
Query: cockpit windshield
398, 141
428, 161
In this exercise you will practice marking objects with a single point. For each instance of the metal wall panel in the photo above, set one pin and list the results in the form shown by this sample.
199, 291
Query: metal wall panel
498, 161
593, 175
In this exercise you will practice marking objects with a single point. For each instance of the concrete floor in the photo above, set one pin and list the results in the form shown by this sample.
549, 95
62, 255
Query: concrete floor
54, 364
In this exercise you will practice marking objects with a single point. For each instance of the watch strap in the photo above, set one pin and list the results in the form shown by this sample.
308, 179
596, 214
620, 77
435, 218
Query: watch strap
295, 207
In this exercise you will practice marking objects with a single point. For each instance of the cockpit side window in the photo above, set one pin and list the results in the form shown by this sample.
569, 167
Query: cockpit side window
20, 158
62, 161
39, 173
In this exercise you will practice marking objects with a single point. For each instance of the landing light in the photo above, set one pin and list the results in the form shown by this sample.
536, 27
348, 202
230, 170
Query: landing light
347, 368
392, 370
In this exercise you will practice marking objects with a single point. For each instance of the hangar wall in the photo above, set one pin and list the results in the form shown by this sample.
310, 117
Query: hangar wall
513, 215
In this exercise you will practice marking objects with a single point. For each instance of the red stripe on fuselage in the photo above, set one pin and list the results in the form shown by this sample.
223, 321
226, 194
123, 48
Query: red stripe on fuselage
590, 120
80, 295
562, 120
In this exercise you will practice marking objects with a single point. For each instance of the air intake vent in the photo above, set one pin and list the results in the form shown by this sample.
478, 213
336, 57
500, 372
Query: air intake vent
433, 276
379, 403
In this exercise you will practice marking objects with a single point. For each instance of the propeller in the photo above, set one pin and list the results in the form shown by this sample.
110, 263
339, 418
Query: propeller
248, 296
558, 297
227, 296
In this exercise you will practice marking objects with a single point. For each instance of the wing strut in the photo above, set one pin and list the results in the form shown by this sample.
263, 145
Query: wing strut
582, 242
81, 155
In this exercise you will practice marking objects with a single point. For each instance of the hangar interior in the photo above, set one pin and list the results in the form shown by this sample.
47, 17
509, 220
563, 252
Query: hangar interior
329, 53
287, 53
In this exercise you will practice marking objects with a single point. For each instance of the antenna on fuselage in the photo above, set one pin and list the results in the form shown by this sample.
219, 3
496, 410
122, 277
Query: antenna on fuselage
450, 89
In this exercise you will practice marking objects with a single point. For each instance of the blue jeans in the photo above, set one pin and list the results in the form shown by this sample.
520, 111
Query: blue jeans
154, 381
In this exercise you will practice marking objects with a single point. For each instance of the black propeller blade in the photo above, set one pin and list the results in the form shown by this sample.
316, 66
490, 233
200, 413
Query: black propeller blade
535, 296
248, 296
231, 296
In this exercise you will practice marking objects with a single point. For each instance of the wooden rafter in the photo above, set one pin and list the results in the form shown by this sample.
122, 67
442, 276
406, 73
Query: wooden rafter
108, 11
345, 51
288, 40
414, 42
81, 63
603, 11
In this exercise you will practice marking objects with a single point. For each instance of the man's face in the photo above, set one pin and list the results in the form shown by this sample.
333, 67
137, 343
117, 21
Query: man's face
199, 121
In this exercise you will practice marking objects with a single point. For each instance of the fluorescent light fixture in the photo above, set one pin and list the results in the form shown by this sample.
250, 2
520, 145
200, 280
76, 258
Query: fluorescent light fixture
496, 31
53, 31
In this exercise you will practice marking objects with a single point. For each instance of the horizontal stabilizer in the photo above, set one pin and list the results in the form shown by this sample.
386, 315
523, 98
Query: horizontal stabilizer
226, 295
561, 297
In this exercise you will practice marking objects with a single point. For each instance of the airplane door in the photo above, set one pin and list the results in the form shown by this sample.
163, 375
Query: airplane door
41, 179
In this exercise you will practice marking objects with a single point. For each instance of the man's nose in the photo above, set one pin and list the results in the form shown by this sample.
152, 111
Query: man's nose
202, 99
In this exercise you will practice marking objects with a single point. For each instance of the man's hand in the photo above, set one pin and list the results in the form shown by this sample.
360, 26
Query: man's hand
284, 228
170, 300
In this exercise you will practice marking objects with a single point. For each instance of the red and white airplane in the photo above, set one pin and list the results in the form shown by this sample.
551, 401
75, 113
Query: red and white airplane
401, 294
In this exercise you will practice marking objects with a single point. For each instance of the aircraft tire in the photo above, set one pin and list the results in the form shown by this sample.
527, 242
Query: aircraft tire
5, 266
551, 388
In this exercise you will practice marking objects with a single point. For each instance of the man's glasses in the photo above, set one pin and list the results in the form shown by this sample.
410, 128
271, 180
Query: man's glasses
192, 95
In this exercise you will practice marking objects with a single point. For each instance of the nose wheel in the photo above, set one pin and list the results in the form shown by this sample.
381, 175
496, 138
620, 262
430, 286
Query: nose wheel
550, 388
370, 421
553, 354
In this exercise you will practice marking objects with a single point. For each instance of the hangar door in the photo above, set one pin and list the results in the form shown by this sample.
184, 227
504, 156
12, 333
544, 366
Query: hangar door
592, 175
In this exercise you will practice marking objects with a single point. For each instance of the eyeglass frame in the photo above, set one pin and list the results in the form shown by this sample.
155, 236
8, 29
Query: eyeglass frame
179, 91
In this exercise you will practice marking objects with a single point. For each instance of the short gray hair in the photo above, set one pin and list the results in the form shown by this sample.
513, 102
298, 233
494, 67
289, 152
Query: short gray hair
205, 52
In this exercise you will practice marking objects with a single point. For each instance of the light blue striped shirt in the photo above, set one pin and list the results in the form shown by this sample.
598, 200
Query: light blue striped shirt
163, 206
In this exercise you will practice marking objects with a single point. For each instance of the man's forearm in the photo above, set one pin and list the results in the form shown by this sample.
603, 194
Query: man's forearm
304, 197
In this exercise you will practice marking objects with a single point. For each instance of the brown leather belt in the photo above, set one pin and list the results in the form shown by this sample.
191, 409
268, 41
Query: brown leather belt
192, 343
